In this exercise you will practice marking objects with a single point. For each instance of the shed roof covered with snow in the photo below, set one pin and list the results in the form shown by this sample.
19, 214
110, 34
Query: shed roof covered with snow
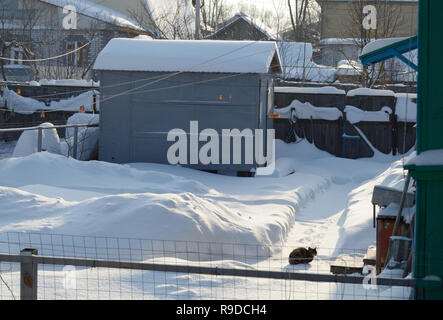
189, 56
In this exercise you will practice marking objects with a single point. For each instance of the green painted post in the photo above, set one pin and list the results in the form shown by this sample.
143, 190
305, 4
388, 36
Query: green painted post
429, 215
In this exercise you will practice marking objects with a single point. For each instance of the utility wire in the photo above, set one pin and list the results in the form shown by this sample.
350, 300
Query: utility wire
46, 59
162, 77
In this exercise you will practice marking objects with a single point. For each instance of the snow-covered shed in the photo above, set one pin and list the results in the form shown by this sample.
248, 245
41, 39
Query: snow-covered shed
150, 87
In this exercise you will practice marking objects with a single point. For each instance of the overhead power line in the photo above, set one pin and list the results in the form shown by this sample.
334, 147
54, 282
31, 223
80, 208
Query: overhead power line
46, 59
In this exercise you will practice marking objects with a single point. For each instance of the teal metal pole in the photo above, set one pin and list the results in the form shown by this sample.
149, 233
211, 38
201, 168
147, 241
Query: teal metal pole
428, 246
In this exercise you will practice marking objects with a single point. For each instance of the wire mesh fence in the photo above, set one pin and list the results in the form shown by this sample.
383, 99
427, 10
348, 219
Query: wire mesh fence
188, 270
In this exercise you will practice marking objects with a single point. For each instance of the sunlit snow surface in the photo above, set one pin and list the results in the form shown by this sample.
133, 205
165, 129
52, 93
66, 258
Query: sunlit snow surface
173, 215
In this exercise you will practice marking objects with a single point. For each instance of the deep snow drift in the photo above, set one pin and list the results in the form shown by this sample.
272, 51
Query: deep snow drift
312, 199
46, 192
50, 193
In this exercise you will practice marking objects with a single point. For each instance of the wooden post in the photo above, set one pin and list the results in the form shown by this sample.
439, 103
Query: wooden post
394, 134
374, 215
94, 103
75, 142
28, 275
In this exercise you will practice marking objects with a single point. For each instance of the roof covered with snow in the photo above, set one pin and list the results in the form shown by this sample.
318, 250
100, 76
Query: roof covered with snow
97, 11
380, 43
189, 56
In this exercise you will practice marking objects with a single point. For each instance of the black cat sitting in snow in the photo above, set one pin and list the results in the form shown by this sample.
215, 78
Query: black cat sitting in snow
302, 255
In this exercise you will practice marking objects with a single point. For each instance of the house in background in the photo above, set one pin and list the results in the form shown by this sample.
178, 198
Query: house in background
242, 27
169, 19
36, 29
342, 33
297, 57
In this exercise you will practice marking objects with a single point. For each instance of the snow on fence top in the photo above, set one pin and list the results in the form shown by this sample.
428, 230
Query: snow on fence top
189, 56
310, 90
370, 92
65, 82
308, 111
25, 105
356, 115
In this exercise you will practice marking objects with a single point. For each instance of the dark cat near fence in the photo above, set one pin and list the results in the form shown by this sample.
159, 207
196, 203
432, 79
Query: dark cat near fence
302, 255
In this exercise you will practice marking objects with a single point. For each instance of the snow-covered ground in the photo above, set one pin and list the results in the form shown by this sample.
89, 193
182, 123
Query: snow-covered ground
7, 149
197, 218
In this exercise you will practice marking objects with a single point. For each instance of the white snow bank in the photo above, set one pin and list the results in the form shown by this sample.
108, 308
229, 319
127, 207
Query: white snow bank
308, 111
24, 105
28, 142
370, 92
309, 90
355, 224
149, 201
356, 115
426, 158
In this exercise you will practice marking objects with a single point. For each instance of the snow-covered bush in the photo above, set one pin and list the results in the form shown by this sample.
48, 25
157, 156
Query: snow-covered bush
28, 142
87, 137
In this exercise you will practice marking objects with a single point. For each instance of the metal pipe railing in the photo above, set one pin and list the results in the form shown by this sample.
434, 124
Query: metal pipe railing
29, 261
40, 133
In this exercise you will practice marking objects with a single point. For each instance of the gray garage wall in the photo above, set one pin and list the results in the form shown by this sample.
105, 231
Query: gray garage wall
134, 127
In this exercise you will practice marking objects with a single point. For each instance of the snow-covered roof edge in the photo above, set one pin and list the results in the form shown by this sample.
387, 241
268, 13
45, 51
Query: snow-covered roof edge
99, 12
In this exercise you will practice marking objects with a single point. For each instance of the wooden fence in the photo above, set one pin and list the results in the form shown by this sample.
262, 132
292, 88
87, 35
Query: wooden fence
341, 138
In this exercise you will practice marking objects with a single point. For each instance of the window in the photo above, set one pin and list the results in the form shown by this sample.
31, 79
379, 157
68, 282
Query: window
78, 58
